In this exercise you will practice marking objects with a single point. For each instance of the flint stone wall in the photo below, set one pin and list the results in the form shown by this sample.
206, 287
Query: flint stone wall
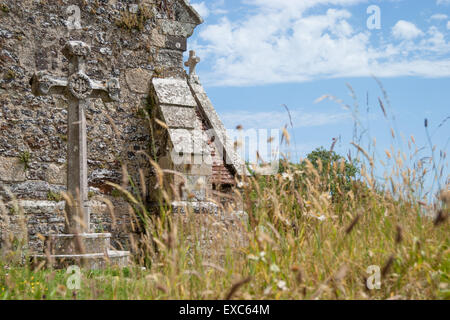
130, 40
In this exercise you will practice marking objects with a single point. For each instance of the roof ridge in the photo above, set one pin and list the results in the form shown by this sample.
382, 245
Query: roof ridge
187, 4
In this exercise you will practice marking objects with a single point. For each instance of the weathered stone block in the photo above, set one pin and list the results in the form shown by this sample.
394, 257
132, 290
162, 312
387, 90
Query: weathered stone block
138, 80
56, 174
12, 170
180, 117
173, 92
176, 43
203, 169
183, 207
196, 186
42, 207
176, 28
35, 189
210, 228
82, 243
188, 141
89, 261
158, 39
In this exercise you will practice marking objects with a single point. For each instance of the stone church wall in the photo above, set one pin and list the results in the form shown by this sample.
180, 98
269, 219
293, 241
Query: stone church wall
130, 40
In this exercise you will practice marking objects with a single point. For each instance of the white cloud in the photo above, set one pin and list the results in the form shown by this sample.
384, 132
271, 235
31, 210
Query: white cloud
280, 41
439, 16
448, 25
201, 8
279, 119
443, 2
406, 30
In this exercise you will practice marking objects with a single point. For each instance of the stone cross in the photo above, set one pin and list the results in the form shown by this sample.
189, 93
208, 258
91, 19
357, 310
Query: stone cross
79, 90
192, 63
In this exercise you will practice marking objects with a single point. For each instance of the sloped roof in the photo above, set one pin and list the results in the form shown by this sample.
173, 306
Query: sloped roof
177, 100
190, 8
231, 156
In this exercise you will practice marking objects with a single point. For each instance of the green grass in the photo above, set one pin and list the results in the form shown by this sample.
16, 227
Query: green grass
4, 8
25, 158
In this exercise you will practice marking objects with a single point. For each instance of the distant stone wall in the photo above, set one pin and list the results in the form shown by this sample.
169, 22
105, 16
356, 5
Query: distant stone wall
131, 40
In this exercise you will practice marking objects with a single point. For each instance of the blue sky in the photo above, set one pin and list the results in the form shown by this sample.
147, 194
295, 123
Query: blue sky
260, 54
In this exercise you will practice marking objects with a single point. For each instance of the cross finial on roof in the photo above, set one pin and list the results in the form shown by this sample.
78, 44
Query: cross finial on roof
192, 63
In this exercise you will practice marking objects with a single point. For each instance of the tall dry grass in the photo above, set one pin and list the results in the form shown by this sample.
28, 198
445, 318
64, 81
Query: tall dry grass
301, 241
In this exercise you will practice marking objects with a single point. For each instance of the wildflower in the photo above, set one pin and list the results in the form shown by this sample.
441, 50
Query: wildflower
262, 256
242, 184
318, 217
274, 268
282, 285
287, 176
252, 257
200, 184
267, 291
